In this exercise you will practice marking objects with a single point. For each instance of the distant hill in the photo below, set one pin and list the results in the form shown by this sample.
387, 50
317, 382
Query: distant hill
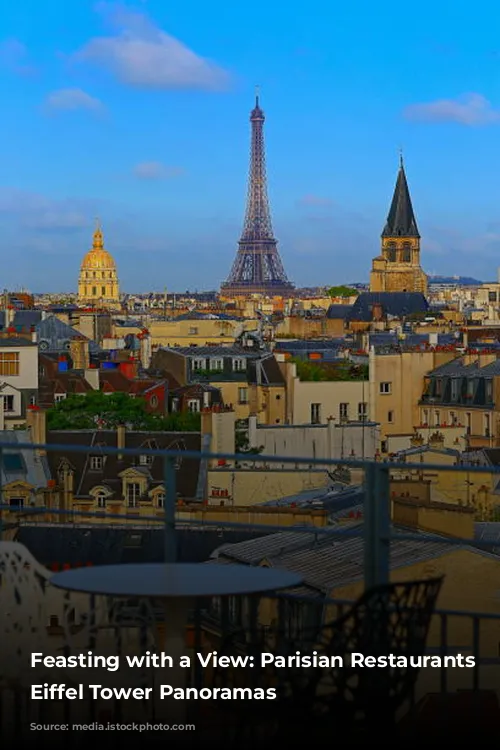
459, 280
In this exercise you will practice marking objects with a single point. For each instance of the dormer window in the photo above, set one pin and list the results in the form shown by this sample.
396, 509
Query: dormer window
146, 460
199, 364
239, 364
160, 500
216, 364
489, 390
96, 463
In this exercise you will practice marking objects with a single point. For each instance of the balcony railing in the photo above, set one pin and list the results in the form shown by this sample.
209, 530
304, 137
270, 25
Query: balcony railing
467, 631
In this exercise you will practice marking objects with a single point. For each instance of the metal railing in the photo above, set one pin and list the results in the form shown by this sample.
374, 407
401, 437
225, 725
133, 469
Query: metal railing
376, 529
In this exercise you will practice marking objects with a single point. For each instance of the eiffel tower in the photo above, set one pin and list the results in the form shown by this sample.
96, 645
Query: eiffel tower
257, 268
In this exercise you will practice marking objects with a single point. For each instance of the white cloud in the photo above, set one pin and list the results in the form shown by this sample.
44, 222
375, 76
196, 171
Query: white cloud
155, 170
72, 99
142, 55
470, 109
315, 200
14, 56
33, 211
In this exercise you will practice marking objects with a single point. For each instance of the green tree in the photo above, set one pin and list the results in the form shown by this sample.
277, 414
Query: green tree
86, 411
342, 291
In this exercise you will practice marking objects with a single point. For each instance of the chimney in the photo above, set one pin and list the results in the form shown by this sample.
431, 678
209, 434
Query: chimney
416, 441
37, 426
121, 438
79, 350
34, 335
145, 352
377, 312
436, 441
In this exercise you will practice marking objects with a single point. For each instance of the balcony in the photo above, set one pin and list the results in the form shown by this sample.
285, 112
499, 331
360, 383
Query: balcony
384, 541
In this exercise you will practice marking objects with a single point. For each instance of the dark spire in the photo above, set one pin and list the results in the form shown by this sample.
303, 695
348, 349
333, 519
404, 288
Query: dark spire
401, 220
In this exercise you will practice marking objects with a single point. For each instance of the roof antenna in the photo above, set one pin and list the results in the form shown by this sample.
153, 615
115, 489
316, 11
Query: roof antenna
257, 94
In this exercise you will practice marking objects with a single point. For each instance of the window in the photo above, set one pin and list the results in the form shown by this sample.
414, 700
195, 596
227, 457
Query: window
492, 296
133, 494
101, 499
146, 460
103, 291
454, 389
239, 364
468, 422
385, 388
199, 364
59, 397
9, 364
96, 463
437, 419
243, 395
406, 254
425, 416
391, 252
487, 425
383, 446
315, 413
344, 411
16, 503
193, 331
32, 400
453, 418
153, 401
160, 500
175, 404
390, 416
216, 364
94, 290
489, 391
8, 403
362, 411
439, 387
193, 405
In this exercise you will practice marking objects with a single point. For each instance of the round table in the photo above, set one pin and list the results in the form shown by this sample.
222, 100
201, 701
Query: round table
178, 585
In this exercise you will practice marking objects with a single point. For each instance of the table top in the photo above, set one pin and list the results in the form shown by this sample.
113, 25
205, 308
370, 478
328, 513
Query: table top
174, 580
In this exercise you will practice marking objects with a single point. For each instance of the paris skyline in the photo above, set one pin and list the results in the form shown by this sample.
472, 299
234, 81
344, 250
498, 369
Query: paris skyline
109, 117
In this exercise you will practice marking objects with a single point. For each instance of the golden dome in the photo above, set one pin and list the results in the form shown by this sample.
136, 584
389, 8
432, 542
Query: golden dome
98, 258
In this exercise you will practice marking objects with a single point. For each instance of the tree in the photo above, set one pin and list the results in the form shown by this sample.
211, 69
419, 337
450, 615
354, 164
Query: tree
342, 291
90, 410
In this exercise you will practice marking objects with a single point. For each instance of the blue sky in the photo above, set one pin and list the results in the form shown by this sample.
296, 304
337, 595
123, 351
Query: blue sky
139, 114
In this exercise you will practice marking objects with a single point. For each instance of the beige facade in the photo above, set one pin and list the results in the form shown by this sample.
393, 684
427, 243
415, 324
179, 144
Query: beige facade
191, 332
396, 387
98, 280
315, 402
18, 380
268, 403
256, 484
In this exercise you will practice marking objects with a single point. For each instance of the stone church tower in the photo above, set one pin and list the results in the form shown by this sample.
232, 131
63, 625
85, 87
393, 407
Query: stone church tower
397, 268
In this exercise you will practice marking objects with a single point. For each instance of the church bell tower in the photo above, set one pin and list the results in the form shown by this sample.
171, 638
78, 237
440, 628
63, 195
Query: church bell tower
397, 268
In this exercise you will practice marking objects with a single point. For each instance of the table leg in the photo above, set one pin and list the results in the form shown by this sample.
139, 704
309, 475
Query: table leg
174, 645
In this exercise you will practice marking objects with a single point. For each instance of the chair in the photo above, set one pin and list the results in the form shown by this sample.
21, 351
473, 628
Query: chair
391, 619
37, 617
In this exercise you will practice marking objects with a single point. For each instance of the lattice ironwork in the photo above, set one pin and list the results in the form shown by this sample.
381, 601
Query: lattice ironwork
258, 266
392, 619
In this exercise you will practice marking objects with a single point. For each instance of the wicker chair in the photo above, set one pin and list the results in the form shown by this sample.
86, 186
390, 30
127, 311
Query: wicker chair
392, 619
